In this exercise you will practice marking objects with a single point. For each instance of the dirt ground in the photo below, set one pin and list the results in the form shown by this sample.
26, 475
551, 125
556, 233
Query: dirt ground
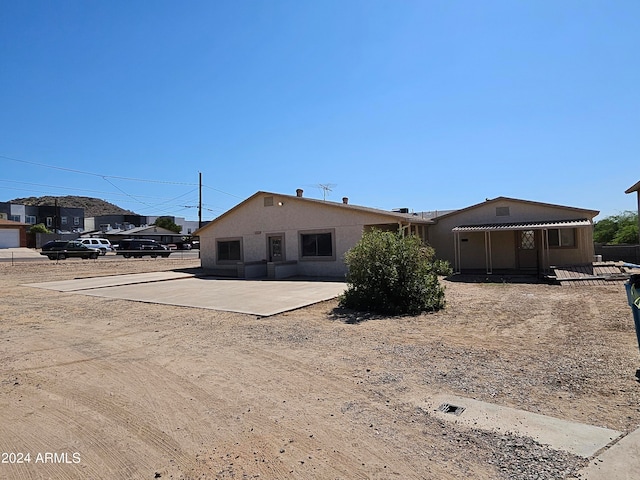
114, 389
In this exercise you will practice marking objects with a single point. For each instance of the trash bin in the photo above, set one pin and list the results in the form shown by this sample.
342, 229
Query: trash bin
633, 298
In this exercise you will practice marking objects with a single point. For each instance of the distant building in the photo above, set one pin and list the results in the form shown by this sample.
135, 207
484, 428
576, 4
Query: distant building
57, 218
114, 223
107, 223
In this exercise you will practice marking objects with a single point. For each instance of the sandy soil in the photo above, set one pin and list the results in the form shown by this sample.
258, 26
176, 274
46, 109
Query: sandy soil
115, 389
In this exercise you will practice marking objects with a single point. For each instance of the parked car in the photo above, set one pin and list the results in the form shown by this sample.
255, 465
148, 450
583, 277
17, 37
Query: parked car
61, 249
139, 247
179, 246
101, 244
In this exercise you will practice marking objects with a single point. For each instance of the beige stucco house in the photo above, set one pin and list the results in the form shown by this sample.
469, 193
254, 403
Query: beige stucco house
507, 234
277, 236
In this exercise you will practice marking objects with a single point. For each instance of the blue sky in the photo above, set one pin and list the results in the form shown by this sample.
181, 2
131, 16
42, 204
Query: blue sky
420, 104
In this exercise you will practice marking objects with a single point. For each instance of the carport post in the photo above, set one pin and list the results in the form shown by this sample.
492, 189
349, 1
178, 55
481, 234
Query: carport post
456, 251
487, 252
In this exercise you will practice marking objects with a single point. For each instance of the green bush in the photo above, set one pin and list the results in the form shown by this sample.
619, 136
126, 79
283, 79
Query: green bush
393, 274
39, 228
617, 229
168, 223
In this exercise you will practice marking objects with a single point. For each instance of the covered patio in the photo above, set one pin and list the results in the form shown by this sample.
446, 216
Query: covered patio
525, 247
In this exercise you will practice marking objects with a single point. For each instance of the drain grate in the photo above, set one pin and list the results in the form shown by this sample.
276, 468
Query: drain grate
452, 409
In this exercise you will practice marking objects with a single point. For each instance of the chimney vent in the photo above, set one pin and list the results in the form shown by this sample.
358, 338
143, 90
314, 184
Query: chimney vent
299, 192
345, 200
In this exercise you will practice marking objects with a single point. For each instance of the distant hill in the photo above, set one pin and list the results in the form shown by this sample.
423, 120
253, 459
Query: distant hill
93, 207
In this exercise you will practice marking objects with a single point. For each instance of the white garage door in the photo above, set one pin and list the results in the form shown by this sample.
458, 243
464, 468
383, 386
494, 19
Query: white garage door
9, 238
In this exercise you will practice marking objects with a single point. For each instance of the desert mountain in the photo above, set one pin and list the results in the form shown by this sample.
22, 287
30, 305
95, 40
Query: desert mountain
93, 207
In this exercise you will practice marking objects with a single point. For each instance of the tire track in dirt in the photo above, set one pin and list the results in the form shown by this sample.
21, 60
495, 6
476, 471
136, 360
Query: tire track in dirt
24, 434
114, 409
298, 421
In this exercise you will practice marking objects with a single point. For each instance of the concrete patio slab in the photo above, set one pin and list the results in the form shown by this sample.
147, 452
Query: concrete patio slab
577, 438
255, 297
109, 281
620, 462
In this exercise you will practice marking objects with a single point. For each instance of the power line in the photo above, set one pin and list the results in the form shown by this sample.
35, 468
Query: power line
74, 189
221, 191
115, 177
100, 175
108, 178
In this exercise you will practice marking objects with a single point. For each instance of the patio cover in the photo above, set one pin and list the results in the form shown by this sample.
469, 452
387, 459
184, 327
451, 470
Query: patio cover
502, 227
494, 227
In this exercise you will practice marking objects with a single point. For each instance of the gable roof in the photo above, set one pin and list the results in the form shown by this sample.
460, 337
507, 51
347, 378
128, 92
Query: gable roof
634, 188
581, 211
395, 216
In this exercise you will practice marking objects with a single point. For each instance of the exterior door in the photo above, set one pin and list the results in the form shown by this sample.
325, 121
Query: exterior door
527, 250
276, 251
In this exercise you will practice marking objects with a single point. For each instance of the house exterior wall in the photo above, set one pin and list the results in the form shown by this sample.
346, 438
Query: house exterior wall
13, 235
473, 253
253, 223
504, 244
18, 213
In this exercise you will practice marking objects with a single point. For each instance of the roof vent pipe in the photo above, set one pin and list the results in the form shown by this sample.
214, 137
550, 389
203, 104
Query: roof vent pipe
345, 200
299, 192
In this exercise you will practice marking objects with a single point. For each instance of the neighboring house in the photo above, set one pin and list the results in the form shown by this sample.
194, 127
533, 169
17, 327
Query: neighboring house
274, 235
105, 223
10, 211
151, 232
508, 234
187, 226
13, 234
114, 222
65, 219
62, 219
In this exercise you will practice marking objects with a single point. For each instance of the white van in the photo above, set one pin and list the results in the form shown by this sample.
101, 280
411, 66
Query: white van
101, 244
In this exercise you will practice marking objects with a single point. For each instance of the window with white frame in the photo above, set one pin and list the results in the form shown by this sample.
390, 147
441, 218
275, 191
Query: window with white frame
76, 221
30, 219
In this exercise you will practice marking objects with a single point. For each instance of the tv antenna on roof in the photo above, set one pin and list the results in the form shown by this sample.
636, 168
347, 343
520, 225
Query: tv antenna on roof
326, 187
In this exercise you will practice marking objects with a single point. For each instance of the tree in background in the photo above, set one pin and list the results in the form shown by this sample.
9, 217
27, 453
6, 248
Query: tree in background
393, 274
168, 223
39, 228
616, 229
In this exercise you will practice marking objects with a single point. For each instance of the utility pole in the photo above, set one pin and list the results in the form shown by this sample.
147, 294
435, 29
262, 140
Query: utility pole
56, 216
200, 201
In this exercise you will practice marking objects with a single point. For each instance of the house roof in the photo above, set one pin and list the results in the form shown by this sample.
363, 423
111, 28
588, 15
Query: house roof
493, 227
148, 230
395, 216
579, 211
634, 188
11, 223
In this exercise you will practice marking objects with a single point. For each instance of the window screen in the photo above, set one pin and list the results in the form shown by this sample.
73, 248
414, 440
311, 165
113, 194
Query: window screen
317, 245
229, 250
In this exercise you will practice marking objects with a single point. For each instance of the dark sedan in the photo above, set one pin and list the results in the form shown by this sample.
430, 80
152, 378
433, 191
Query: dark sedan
139, 247
60, 249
